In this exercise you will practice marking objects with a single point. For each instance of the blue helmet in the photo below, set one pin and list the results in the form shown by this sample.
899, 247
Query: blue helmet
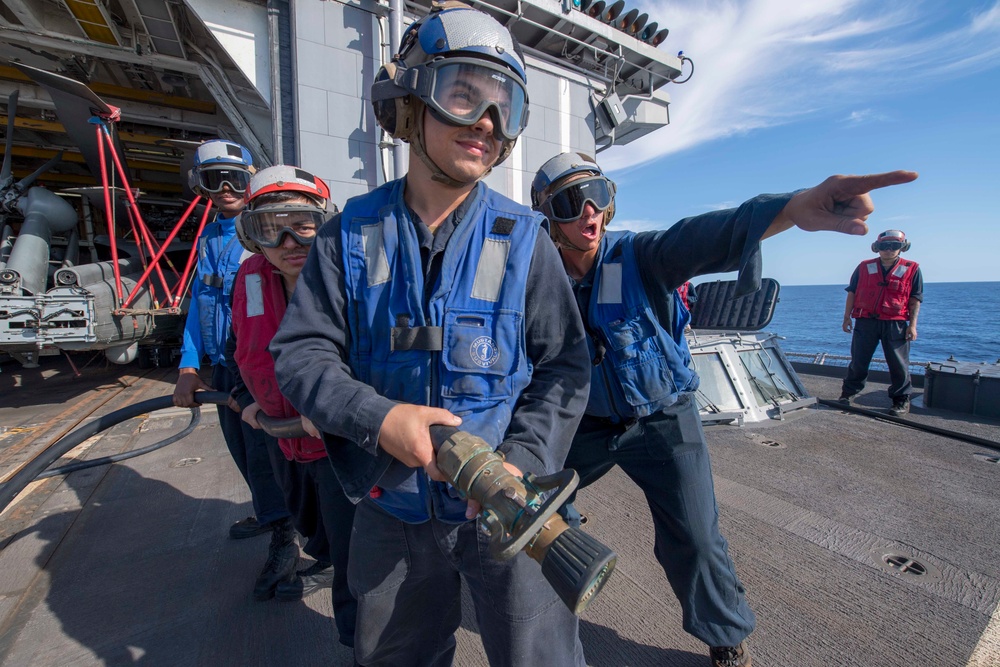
219, 152
456, 29
441, 51
218, 162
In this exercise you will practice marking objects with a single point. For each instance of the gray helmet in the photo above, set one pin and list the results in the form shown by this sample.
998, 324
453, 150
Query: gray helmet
451, 41
561, 198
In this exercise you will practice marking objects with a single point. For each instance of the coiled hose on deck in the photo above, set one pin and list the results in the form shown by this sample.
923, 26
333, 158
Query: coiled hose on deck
37, 468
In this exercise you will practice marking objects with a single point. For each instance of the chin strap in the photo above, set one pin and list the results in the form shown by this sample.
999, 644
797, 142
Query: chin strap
560, 239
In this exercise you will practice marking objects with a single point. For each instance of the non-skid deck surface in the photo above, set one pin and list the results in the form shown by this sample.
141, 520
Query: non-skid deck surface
130, 564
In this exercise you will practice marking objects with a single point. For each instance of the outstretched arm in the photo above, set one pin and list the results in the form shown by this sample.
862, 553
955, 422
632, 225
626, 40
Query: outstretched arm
839, 204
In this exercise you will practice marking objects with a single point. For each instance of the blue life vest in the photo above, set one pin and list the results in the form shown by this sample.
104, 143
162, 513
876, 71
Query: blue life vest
219, 257
644, 367
458, 345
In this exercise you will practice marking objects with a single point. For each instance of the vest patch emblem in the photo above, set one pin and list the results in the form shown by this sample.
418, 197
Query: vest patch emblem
484, 351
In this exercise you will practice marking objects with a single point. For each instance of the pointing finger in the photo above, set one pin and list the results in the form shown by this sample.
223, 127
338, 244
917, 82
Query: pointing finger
861, 184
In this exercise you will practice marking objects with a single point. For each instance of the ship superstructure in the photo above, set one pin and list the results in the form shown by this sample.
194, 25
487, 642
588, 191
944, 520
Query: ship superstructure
290, 81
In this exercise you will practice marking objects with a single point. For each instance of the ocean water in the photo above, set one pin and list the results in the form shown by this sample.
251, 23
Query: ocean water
956, 319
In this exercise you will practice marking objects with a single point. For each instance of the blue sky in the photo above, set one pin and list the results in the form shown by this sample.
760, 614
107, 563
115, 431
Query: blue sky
788, 92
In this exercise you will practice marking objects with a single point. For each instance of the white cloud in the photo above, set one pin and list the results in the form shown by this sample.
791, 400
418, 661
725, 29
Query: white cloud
861, 116
762, 63
988, 20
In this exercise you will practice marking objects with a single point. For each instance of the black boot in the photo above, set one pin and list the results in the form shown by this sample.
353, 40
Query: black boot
282, 558
317, 577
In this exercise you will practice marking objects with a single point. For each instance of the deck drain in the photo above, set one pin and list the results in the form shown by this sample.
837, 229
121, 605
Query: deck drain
765, 442
904, 565
184, 463
986, 458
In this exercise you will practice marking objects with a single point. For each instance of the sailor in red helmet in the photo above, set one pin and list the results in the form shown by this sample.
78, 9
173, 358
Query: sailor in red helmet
286, 208
884, 299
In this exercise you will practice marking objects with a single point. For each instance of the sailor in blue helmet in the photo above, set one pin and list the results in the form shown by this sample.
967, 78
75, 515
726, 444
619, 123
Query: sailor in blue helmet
434, 300
221, 172
642, 414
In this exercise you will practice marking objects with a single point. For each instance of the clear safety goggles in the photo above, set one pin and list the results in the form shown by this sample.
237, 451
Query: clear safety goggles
267, 226
213, 180
889, 245
566, 204
461, 90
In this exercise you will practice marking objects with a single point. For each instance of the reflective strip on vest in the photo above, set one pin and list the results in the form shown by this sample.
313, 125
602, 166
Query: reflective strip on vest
899, 270
611, 284
491, 269
255, 296
872, 267
376, 261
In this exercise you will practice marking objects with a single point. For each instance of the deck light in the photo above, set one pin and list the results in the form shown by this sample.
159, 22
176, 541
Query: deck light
612, 12
626, 19
658, 38
638, 25
596, 9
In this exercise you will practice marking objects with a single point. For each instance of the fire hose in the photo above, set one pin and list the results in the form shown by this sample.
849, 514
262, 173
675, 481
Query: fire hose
519, 513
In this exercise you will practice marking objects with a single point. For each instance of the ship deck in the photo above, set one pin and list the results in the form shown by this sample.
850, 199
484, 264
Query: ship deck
129, 563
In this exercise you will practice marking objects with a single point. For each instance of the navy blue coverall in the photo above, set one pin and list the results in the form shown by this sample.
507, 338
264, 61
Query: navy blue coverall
408, 572
665, 453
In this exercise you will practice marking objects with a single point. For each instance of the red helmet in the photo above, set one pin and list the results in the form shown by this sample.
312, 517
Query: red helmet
891, 239
286, 178
264, 225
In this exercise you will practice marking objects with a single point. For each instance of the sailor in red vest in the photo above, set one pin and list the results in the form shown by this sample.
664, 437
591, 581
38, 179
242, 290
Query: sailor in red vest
286, 208
687, 294
884, 299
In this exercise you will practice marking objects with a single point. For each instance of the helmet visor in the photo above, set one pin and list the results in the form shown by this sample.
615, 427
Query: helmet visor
461, 90
267, 226
889, 245
212, 180
566, 204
